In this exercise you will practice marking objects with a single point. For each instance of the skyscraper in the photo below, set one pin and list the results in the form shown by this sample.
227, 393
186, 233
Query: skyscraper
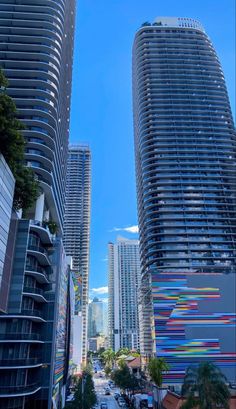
36, 53
95, 318
77, 227
185, 171
124, 280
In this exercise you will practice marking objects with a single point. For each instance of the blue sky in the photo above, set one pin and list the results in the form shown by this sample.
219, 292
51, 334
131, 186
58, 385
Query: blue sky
101, 111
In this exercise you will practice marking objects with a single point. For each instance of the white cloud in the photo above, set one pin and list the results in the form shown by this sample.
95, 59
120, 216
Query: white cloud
129, 229
99, 290
105, 259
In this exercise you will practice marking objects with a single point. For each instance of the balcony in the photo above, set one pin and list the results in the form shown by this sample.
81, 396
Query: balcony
36, 315
21, 390
40, 253
39, 273
20, 362
42, 230
15, 403
36, 293
13, 337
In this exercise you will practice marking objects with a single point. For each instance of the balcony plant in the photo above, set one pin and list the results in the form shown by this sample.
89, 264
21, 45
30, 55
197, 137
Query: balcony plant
12, 147
52, 226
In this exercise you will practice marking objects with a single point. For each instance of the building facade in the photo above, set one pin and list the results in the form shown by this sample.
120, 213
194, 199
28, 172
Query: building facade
36, 53
95, 318
185, 159
77, 232
7, 184
123, 284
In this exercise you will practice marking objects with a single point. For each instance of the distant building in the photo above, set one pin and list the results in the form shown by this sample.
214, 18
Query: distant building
77, 233
123, 284
95, 318
186, 190
95, 343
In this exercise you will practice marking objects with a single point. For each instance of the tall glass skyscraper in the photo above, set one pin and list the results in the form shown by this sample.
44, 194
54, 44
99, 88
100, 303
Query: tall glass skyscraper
77, 234
186, 188
36, 55
96, 318
36, 52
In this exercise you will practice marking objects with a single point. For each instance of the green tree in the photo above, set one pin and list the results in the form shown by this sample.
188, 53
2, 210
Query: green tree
12, 146
124, 379
123, 351
85, 396
108, 357
156, 368
205, 387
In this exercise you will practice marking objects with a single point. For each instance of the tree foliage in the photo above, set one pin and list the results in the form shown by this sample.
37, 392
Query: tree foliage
108, 357
156, 367
12, 147
123, 351
205, 387
124, 379
85, 396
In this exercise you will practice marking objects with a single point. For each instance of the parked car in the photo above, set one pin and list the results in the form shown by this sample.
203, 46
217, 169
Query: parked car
70, 398
103, 405
232, 385
121, 402
117, 395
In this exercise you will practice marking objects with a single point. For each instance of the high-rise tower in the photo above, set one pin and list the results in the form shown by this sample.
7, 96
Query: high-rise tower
124, 280
96, 318
36, 51
77, 227
36, 54
186, 189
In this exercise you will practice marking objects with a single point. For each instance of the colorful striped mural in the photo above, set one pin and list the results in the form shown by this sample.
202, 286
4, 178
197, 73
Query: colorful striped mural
177, 314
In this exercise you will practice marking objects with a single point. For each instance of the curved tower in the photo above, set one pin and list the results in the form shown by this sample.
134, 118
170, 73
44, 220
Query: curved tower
36, 52
186, 185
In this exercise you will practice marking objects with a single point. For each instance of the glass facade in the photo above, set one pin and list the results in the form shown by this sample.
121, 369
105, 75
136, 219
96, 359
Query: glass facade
36, 55
185, 156
123, 284
7, 184
77, 235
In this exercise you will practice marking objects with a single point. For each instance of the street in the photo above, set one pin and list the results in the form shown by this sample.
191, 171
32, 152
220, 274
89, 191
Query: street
100, 384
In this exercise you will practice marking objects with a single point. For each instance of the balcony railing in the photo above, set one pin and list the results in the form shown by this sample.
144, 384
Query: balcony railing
11, 404
33, 313
20, 362
40, 249
20, 336
19, 389
38, 269
33, 290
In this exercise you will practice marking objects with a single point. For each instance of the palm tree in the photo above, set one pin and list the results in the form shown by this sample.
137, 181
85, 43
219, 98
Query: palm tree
108, 357
156, 368
122, 351
205, 387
